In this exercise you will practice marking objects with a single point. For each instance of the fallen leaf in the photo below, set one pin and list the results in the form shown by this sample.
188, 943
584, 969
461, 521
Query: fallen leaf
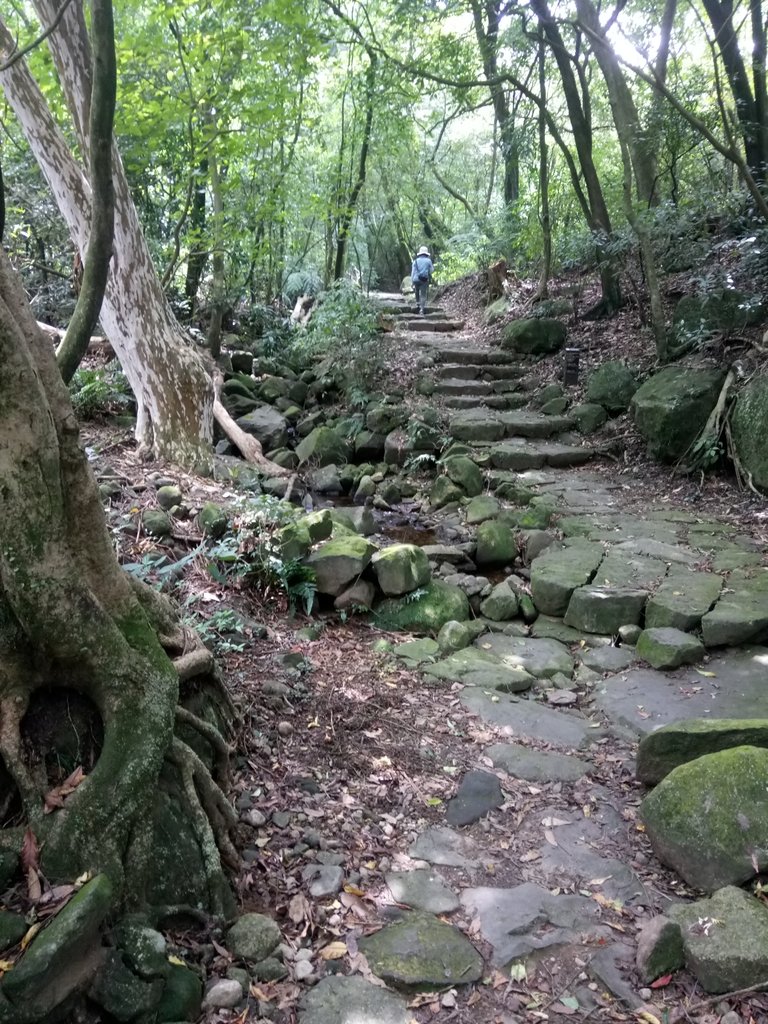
662, 981
566, 1011
554, 822
5, 965
708, 675
221, 950
298, 908
177, 961
333, 951
353, 890
530, 855
647, 1017
30, 851
549, 835
34, 888
30, 934
570, 1001
517, 972
55, 798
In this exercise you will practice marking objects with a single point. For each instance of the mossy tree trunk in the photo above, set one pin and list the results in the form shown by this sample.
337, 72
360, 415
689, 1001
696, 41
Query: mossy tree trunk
72, 622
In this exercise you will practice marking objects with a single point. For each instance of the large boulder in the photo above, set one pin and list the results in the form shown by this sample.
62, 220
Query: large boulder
538, 336
400, 569
436, 604
612, 385
338, 562
679, 742
708, 819
465, 473
671, 408
665, 647
697, 317
496, 544
749, 430
322, 447
267, 425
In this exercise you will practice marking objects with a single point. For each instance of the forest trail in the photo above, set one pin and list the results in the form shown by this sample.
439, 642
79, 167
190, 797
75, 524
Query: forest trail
534, 875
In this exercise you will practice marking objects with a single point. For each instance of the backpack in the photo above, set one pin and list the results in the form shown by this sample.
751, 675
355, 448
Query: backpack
422, 270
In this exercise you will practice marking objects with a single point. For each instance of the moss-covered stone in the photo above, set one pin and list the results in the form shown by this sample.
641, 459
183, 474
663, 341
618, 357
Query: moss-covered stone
659, 949
13, 928
420, 952
538, 336
169, 496
682, 599
667, 748
588, 417
337, 562
444, 492
604, 609
454, 636
357, 518
749, 429
267, 425
741, 613
253, 937
436, 604
729, 951
612, 386
319, 524
708, 819
156, 523
123, 994
381, 419
496, 544
181, 996
501, 604
672, 406
400, 569
213, 520
480, 508
668, 648
465, 474
496, 311
557, 573
324, 446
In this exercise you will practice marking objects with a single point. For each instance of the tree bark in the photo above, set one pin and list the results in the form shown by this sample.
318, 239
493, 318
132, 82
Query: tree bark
546, 224
174, 393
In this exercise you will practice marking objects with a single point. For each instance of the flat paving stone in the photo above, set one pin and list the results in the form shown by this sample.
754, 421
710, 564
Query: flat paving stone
620, 568
536, 765
349, 1000
443, 846
476, 667
561, 570
607, 658
478, 794
518, 921
527, 719
641, 700
542, 659
421, 952
741, 614
682, 599
524, 423
422, 889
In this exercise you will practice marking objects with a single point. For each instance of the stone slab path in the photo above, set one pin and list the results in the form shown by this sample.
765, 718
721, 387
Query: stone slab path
560, 701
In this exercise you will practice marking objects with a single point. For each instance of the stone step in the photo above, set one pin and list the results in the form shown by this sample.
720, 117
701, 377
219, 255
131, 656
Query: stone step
463, 387
522, 455
451, 352
479, 371
487, 425
508, 400
423, 323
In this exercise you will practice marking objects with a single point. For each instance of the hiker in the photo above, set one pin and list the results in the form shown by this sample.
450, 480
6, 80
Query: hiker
421, 275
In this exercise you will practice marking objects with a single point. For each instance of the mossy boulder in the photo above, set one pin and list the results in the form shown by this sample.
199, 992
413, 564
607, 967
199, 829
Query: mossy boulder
380, 419
454, 636
213, 520
357, 518
444, 492
319, 524
749, 430
539, 336
253, 937
434, 605
400, 569
679, 742
337, 562
324, 446
181, 996
496, 544
588, 417
708, 819
483, 507
156, 523
697, 317
672, 406
612, 386
13, 928
465, 474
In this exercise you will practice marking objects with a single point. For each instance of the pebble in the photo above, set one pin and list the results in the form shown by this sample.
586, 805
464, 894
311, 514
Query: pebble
303, 954
281, 818
645, 994
254, 817
303, 970
223, 995
284, 728
730, 1018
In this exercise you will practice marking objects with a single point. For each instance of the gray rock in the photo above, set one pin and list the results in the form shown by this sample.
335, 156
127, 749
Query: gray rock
400, 569
557, 573
668, 648
612, 386
224, 994
672, 406
496, 544
607, 658
323, 879
421, 952
453, 636
442, 846
604, 609
267, 425
518, 921
501, 604
359, 519
536, 765
725, 939
422, 889
339, 1000
749, 428
542, 659
740, 615
325, 480
338, 562
483, 507
527, 719
665, 749
659, 949
253, 937
360, 594
478, 793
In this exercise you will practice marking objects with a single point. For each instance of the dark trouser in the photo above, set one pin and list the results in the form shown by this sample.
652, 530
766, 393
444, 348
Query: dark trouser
421, 288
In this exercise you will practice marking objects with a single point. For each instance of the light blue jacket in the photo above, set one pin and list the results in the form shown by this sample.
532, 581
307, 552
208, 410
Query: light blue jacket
421, 265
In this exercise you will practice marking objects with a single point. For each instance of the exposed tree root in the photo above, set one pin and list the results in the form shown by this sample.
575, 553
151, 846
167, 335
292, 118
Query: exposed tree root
222, 750
198, 662
248, 446
707, 447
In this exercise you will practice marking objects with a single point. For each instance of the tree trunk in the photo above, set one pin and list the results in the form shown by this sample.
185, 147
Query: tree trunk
72, 625
546, 224
198, 254
218, 296
174, 393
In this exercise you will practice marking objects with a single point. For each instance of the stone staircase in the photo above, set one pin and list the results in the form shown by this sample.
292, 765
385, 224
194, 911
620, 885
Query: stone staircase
480, 394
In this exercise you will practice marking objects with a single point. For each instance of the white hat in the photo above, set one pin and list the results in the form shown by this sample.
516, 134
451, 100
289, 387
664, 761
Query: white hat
423, 251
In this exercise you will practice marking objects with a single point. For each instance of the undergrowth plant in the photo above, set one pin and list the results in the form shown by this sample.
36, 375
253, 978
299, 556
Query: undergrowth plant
252, 553
100, 391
